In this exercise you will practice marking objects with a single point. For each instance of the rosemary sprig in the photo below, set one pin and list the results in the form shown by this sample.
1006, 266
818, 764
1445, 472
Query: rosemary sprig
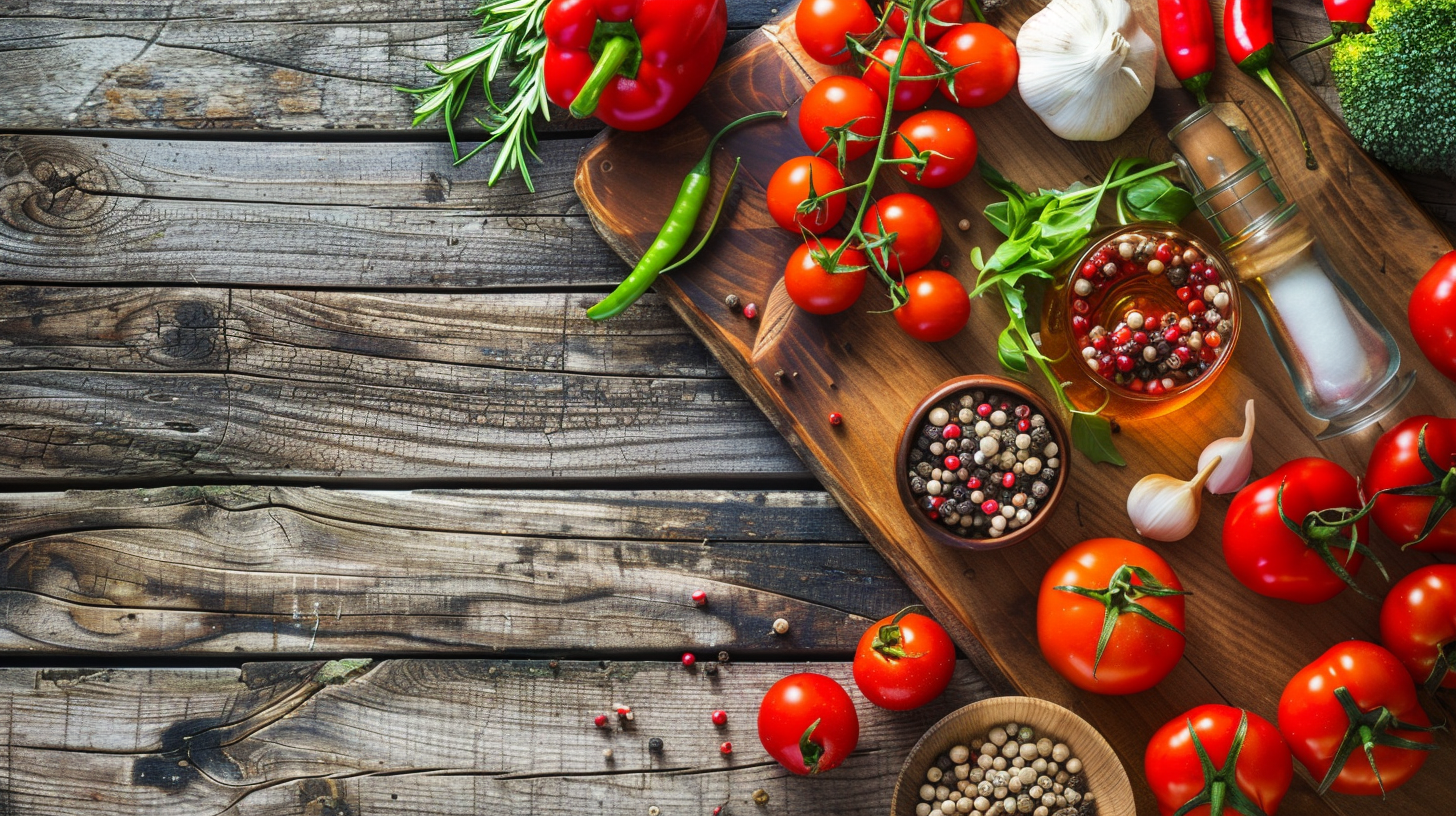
512, 36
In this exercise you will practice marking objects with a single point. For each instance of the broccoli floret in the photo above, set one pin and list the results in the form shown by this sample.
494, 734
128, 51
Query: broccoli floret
1398, 84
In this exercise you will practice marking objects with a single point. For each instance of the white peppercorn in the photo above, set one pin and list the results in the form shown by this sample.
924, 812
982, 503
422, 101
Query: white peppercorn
1073, 766
1009, 749
1018, 762
1041, 810
984, 762
999, 763
1063, 776
942, 792
985, 788
1028, 750
1048, 799
934, 774
922, 809
1060, 752
1014, 784
981, 804
962, 770
1044, 747
993, 747
976, 775
947, 807
927, 792
1039, 765
963, 806
959, 754
1027, 776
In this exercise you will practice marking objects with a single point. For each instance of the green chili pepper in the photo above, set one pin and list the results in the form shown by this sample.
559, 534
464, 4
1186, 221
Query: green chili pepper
676, 229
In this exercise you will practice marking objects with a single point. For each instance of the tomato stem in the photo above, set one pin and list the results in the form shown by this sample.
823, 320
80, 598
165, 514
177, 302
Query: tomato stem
1121, 596
1442, 488
811, 752
1220, 785
1445, 659
1322, 534
1368, 729
889, 640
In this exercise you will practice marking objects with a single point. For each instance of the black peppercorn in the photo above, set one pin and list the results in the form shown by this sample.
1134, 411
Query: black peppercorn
655, 745
930, 432
917, 485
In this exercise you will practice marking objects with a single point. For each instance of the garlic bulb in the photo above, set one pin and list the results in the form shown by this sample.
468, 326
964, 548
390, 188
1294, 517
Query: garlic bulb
1166, 509
1087, 67
1237, 453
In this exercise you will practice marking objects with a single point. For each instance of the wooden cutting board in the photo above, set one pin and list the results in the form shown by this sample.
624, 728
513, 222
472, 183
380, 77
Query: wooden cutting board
1241, 648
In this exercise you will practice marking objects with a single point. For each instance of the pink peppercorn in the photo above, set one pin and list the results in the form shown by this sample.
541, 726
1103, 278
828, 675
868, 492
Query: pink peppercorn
601, 721
750, 311
989, 507
720, 717
836, 418
983, 410
1008, 479
951, 432
700, 598
688, 659
952, 463
726, 747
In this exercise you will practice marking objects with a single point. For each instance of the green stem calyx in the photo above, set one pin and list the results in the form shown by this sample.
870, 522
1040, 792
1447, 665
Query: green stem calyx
1445, 660
1441, 488
1220, 787
809, 750
1122, 596
1322, 530
889, 641
617, 52
1368, 729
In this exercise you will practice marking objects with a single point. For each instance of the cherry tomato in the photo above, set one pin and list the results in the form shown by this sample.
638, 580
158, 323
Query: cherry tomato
789, 187
936, 306
1432, 313
904, 661
947, 138
1396, 463
823, 24
1069, 624
817, 291
1317, 723
948, 12
807, 722
990, 61
1255, 769
916, 227
911, 93
1269, 558
1418, 625
835, 102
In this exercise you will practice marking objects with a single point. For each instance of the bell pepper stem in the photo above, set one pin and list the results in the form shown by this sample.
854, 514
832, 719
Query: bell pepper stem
614, 53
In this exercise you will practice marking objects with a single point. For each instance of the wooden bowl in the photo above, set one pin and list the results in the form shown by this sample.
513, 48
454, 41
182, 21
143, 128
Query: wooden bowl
1106, 778
907, 439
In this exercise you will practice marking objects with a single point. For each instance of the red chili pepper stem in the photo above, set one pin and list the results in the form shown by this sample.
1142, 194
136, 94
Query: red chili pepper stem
1337, 30
1257, 65
615, 52
1198, 86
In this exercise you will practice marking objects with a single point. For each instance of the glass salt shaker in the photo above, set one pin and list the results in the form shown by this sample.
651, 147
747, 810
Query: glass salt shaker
1344, 363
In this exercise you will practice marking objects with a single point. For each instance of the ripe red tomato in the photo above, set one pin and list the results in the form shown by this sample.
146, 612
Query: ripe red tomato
947, 138
904, 661
916, 227
911, 93
823, 24
936, 306
789, 187
1432, 313
1396, 463
1320, 726
817, 291
1418, 625
807, 722
835, 102
1107, 577
948, 12
990, 61
1253, 768
1269, 558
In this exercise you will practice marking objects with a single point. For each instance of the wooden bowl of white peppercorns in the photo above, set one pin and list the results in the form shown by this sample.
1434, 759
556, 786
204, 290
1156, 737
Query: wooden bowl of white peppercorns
1085, 755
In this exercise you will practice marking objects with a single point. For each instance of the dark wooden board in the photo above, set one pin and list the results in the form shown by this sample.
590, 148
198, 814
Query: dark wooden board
282, 570
1241, 648
410, 737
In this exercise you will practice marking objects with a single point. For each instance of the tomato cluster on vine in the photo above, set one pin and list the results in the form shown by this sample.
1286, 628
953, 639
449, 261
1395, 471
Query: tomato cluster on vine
905, 52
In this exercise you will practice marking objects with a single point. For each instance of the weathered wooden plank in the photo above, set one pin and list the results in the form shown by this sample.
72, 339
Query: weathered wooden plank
88, 210
439, 736
380, 338
272, 65
300, 570
239, 383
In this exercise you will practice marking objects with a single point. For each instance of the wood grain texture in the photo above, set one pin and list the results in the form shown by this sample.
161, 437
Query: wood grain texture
165, 383
263, 64
257, 570
439, 736
1241, 648
91, 210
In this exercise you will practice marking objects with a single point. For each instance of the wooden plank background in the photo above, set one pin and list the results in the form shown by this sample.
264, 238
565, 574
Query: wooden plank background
260, 348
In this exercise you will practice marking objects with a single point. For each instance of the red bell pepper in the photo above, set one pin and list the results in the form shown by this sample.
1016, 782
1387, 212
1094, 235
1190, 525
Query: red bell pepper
634, 64
1187, 34
1248, 32
1346, 17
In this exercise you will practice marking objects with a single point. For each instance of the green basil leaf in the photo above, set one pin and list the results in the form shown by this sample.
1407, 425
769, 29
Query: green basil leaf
1157, 199
1092, 435
1009, 352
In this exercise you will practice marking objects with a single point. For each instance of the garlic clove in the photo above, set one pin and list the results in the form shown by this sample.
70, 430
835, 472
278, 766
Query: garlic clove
1166, 509
1237, 453
1087, 67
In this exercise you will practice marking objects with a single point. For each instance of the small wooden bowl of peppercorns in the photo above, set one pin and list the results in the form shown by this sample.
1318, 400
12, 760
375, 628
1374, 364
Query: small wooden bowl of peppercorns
982, 462
1007, 756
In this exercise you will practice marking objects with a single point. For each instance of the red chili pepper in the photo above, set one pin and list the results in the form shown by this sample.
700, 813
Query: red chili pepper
634, 64
1187, 33
1346, 17
1248, 31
